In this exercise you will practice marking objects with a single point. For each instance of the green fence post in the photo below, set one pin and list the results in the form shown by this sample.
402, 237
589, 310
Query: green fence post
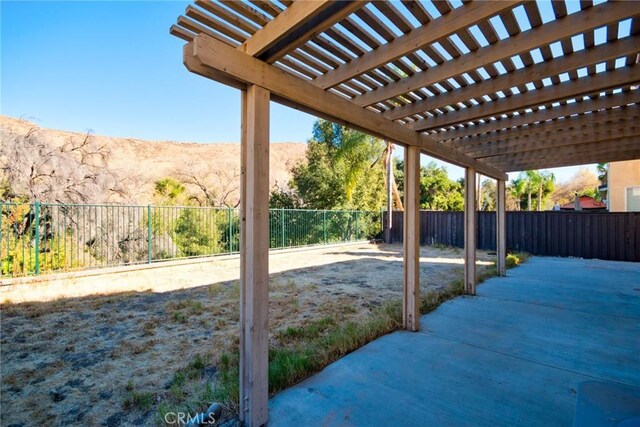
357, 234
37, 243
1, 212
283, 229
149, 234
230, 230
324, 225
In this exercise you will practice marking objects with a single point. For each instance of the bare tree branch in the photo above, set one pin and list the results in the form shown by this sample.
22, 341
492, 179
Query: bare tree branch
74, 172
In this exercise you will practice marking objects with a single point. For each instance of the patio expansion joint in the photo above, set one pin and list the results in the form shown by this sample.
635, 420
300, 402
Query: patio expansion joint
537, 304
524, 359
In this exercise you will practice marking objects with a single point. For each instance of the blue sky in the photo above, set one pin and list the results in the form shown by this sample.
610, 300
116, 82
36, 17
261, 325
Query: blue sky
112, 68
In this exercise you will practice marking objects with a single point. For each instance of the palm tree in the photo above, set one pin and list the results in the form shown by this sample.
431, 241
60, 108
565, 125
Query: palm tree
390, 181
547, 183
603, 171
532, 179
540, 183
603, 177
517, 189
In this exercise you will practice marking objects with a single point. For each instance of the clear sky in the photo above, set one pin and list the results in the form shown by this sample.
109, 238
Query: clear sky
112, 68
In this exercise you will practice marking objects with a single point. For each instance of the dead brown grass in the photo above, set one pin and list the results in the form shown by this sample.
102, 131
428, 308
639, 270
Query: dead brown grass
122, 359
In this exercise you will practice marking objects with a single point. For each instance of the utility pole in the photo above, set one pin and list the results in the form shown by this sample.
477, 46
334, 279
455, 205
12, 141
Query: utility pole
389, 224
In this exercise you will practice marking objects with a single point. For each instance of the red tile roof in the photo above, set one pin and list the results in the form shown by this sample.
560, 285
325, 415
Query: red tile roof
586, 202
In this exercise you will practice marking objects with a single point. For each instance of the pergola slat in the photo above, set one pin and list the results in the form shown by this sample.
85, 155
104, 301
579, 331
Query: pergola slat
247, 11
558, 125
524, 42
194, 28
586, 149
549, 142
182, 33
535, 72
542, 115
384, 32
584, 86
600, 152
240, 66
463, 17
216, 24
267, 6
215, 9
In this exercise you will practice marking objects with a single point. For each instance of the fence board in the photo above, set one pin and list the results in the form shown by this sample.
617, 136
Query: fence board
610, 236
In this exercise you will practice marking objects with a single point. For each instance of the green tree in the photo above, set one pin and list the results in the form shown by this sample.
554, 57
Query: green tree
488, 198
603, 177
338, 172
196, 231
169, 192
282, 198
591, 192
603, 172
516, 191
437, 190
530, 183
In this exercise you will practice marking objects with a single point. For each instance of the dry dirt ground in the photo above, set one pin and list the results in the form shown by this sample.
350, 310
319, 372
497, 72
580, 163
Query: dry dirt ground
77, 361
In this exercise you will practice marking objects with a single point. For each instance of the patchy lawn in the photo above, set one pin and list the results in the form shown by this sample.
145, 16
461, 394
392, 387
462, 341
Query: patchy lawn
129, 358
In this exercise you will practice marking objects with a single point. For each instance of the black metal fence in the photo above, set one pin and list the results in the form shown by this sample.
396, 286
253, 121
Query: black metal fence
609, 236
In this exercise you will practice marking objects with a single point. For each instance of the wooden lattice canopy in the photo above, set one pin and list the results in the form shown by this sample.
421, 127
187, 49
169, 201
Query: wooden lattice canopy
494, 85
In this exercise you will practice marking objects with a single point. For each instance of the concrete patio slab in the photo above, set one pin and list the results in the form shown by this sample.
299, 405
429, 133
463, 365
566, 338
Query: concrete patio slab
516, 354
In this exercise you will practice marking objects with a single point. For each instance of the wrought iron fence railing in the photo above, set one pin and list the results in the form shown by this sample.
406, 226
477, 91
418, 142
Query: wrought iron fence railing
37, 238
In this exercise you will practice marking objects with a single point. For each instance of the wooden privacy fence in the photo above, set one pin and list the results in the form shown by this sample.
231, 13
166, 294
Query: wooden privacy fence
610, 236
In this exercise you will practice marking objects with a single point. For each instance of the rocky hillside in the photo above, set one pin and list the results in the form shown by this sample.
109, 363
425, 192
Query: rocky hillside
141, 163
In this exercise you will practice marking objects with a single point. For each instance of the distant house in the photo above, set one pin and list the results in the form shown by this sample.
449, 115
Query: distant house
623, 186
587, 203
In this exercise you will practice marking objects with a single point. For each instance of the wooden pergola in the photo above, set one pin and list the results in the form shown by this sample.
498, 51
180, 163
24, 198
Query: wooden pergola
492, 86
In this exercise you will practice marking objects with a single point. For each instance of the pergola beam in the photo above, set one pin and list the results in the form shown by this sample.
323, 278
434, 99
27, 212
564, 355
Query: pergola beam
463, 17
551, 141
587, 149
596, 152
193, 65
566, 124
236, 65
570, 89
551, 131
550, 68
298, 23
586, 20
566, 110
603, 157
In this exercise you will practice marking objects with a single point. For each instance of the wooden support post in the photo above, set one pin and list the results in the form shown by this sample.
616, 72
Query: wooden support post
501, 228
470, 231
254, 258
389, 223
411, 292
